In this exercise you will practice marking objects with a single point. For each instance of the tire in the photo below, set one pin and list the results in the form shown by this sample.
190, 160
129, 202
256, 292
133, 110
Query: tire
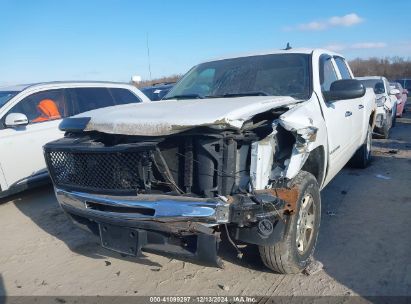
394, 118
362, 157
386, 131
286, 256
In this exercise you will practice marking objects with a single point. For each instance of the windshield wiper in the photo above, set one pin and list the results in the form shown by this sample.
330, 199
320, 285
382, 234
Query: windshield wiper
228, 95
186, 96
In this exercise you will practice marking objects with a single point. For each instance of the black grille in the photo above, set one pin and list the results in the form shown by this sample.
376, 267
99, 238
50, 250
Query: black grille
98, 172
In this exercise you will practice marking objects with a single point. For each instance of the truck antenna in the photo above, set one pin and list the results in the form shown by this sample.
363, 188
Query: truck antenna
288, 47
148, 56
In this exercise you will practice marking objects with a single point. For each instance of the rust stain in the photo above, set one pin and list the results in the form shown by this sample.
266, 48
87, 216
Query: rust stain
230, 199
289, 195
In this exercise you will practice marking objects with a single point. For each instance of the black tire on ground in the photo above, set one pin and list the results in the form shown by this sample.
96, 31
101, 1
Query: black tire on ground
385, 131
287, 256
362, 157
394, 120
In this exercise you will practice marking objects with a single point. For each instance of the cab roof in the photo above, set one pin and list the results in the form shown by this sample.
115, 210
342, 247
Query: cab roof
272, 52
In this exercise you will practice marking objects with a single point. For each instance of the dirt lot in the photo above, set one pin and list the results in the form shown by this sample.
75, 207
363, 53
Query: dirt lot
364, 245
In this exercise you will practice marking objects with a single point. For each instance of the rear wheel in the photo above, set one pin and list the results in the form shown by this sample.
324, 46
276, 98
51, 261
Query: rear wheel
294, 253
362, 157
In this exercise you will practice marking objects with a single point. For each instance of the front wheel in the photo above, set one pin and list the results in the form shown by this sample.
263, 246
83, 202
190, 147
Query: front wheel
294, 252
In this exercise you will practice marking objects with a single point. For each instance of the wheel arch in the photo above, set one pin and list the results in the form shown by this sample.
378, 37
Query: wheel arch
315, 164
371, 120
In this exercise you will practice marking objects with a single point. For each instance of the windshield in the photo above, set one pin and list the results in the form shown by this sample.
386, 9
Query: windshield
5, 96
375, 84
271, 75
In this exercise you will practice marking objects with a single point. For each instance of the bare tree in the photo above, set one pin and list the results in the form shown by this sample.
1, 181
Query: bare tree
390, 67
166, 79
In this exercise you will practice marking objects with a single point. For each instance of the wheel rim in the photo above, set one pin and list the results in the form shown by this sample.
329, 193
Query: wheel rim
369, 140
305, 224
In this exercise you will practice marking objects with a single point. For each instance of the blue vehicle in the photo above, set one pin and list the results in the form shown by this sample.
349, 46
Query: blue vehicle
157, 91
405, 83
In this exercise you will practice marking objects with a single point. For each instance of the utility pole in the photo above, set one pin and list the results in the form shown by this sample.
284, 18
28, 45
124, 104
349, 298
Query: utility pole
148, 56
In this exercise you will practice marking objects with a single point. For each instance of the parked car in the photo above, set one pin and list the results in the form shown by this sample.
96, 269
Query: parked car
405, 83
242, 145
386, 103
402, 97
157, 91
29, 118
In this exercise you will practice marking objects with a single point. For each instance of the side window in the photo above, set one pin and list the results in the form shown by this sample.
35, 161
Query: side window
327, 73
342, 66
42, 106
123, 96
87, 99
379, 87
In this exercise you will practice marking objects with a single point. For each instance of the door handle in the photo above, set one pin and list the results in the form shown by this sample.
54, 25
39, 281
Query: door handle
348, 113
360, 107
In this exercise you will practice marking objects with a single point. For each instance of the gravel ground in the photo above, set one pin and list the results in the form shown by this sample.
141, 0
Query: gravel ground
364, 245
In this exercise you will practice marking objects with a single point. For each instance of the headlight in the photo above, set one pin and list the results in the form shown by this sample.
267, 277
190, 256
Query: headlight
380, 101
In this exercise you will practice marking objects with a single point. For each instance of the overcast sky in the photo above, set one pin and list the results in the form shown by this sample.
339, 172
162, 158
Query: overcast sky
46, 40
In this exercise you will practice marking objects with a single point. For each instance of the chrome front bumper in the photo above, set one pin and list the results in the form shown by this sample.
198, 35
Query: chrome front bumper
143, 207
172, 224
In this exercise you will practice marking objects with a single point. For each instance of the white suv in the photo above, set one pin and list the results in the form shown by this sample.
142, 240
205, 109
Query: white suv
386, 103
30, 116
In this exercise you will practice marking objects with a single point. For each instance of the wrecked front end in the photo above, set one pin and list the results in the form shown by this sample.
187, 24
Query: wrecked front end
178, 193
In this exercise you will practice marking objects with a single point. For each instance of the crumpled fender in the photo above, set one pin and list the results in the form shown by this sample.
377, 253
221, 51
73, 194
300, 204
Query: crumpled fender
307, 125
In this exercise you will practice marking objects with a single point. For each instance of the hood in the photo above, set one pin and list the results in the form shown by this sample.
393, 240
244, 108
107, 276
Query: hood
174, 116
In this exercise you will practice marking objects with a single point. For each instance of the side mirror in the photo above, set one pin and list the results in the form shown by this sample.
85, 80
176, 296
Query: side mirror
344, 89
394, 92
16, 120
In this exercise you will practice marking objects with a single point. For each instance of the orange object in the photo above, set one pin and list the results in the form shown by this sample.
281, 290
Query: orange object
48, 110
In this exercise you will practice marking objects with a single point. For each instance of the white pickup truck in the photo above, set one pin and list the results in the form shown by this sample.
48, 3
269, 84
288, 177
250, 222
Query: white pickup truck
240, 146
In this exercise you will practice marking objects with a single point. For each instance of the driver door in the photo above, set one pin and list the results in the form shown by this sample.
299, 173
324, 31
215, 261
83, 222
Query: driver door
339, 119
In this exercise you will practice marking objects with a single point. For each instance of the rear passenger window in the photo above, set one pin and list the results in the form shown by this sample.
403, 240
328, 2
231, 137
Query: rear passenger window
123, 96
342, 66
87, 99
327, 73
